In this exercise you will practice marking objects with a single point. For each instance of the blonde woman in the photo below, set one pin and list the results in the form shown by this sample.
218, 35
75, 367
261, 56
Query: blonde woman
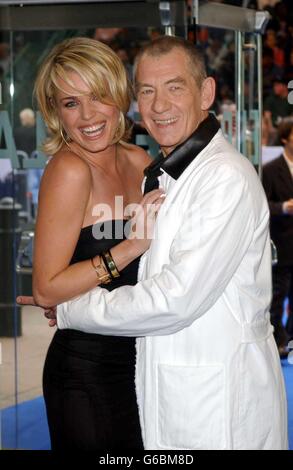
83, 94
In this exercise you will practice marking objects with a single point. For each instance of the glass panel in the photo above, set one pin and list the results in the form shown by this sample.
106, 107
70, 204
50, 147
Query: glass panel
10, 324
218, 46
249, 101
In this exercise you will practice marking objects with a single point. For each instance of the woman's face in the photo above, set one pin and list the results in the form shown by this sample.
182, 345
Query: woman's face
87, 121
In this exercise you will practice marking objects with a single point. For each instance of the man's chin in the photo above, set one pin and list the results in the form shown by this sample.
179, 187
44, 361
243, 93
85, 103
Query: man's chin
166, 149
163, 140
166, 144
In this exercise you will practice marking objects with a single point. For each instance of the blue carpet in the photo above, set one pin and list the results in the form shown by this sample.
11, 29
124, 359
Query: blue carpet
288, 375
32, 425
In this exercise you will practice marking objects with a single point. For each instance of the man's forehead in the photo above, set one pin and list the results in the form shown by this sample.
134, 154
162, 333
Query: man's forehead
162, 68
163, 57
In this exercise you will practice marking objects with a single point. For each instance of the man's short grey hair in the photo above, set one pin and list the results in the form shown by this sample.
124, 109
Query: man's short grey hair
165, 44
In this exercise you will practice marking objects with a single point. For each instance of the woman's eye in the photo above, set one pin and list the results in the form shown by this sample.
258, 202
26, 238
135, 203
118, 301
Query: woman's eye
70, 104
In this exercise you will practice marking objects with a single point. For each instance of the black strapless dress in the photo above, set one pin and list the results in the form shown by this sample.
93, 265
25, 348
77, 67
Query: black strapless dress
88, 379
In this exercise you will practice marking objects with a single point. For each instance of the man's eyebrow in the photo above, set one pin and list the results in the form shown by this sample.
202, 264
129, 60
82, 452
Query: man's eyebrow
176, 80
141, 85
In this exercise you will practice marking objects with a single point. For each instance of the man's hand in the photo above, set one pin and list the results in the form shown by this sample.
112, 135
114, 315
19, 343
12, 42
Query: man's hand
288, 207
49, 312
143, 218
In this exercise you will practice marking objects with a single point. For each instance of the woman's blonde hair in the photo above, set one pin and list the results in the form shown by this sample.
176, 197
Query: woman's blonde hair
99, 67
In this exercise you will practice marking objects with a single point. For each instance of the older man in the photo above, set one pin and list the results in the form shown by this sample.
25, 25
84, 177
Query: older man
208, 374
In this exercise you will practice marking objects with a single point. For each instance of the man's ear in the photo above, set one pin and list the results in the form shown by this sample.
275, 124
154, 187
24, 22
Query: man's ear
208, 91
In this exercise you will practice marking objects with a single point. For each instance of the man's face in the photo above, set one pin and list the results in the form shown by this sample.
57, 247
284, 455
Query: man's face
280, 89
170, 102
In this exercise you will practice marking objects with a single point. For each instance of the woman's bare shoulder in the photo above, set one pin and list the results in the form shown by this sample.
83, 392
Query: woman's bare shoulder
137, 156
66, 164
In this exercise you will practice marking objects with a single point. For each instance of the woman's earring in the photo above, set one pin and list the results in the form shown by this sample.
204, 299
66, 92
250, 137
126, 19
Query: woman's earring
121, 125
65, 139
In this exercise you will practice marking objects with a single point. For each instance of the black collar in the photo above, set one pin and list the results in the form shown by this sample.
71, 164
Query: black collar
179, 159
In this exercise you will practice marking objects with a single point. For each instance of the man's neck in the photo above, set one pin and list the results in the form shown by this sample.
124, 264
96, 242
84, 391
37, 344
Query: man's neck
178, 160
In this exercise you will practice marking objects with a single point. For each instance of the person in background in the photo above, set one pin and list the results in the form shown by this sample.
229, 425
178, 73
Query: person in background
25, 134
25, 142
276, 104
270, 72
278, 185
269, 132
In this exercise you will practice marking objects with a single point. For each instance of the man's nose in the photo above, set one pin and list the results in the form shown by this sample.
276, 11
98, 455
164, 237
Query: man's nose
160, 103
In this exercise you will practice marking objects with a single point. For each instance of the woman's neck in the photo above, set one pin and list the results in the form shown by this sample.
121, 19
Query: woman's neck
105, 159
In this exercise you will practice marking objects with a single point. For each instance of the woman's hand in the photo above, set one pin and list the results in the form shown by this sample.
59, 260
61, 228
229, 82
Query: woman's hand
143, 218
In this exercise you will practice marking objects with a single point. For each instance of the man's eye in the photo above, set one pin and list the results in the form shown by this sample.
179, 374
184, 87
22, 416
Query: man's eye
174, 88
147, 91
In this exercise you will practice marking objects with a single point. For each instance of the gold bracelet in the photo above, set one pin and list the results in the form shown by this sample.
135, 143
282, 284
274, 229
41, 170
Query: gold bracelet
101, 271
107, 257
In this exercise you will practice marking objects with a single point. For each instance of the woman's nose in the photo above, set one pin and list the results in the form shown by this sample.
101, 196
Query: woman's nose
88, 110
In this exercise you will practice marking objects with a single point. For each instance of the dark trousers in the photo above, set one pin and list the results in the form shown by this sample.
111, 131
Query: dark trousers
282, 288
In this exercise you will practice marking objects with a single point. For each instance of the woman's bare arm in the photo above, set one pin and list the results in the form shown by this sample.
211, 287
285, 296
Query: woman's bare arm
63, 199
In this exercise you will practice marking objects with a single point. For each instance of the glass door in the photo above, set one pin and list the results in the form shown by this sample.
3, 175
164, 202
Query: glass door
24, 335
237, 55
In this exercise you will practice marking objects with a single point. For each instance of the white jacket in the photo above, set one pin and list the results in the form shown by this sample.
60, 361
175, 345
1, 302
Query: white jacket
208, 374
